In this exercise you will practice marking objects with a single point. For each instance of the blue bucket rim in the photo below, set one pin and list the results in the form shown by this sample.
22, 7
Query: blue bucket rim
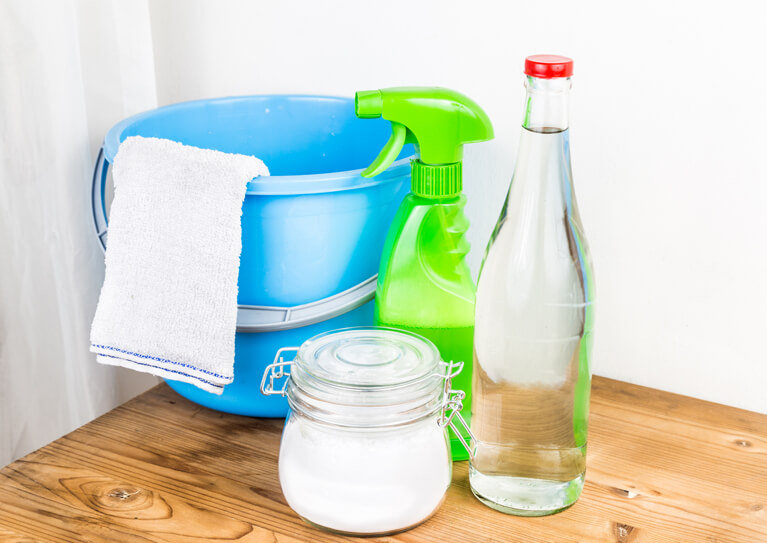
274, 185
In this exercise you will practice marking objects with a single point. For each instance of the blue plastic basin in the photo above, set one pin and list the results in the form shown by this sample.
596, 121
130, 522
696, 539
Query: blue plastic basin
312, 232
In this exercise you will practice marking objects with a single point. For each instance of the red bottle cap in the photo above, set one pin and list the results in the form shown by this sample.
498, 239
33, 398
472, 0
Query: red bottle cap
548, 66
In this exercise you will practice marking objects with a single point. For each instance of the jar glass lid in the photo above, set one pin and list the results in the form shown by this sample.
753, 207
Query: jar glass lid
367, 375
368, 357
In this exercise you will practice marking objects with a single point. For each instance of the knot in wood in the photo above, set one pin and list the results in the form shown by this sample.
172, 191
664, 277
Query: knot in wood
122, 494
623, 532
110, 496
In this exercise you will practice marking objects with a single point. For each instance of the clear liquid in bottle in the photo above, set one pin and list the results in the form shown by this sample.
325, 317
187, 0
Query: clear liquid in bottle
534, 316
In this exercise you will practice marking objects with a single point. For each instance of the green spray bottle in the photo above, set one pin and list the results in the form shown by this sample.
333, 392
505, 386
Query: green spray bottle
424, 284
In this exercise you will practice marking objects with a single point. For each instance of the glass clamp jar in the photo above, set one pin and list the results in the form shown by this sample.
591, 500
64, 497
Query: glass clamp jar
365, 449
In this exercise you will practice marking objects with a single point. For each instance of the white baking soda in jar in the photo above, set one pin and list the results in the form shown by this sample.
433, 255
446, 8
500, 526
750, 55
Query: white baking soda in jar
378, 481
365, 449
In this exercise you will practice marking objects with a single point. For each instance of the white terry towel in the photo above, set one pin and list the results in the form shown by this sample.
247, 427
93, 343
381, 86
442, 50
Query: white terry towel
169, 301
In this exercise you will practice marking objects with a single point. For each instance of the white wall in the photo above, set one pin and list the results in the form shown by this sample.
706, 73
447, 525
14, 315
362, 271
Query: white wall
69, 69
668, 116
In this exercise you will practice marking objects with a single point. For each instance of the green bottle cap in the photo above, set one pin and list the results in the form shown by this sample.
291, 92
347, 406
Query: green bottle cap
436, 181
437, 121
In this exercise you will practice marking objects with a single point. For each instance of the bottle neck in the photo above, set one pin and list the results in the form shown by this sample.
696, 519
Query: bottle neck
547, 105
542, 172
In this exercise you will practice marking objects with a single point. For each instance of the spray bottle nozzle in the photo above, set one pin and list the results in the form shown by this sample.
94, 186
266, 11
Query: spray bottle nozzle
438, 121
368, 104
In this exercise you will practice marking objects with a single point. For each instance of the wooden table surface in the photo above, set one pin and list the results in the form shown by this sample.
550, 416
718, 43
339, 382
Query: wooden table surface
661, 467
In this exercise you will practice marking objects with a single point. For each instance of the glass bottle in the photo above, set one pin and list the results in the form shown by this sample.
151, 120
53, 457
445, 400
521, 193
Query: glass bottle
534, 317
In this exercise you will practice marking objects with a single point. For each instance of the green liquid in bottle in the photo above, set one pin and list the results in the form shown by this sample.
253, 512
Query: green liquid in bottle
454, 344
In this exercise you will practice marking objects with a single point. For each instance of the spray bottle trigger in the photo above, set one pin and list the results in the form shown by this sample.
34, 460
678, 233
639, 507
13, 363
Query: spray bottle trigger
390, 151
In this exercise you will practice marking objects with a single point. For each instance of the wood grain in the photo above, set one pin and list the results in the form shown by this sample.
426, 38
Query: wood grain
661, 467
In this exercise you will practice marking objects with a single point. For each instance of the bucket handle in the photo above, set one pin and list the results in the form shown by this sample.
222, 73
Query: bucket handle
250, 318
98, 206
256, 318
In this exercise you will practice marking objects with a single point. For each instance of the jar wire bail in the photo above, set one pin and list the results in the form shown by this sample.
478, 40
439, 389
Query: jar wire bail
452, 407
275, 371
